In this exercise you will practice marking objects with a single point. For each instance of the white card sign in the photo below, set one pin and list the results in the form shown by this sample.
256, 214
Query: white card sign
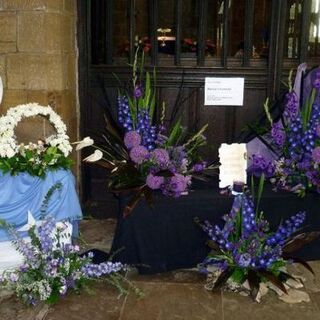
223, 91
233, 164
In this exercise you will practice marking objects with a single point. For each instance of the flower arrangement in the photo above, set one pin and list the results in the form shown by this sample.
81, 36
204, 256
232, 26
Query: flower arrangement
33, 158
296, 139
140, 153
246, 253
52, 265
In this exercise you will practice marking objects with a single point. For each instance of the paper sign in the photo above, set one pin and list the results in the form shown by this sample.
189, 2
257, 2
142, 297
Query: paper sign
223, 91
233, 164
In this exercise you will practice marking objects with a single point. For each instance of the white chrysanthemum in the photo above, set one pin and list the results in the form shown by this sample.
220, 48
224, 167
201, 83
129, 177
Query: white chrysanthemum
8, 143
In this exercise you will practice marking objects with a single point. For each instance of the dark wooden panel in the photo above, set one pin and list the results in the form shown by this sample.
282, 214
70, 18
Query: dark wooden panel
186, 77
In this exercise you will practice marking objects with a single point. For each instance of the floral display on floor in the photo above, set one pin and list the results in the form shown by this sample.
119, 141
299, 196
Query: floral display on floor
33, 158
247, 256
53, 266
295, 138
140, 153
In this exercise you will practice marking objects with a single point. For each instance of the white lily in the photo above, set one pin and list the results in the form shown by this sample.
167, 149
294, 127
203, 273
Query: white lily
31, 222
96, 156
86, 142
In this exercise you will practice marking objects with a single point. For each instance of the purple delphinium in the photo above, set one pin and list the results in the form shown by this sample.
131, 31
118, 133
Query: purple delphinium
154, 182
316, 155
124, 115
146, 130
49, 271
139, 154
278, 134
245, 240
161, 157
292, 106
132, 139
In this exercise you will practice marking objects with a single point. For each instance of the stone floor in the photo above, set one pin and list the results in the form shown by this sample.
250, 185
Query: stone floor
171, 296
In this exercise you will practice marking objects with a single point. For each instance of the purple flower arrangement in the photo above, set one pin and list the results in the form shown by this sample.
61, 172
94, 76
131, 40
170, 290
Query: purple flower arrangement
245, 249
141, 154
52, 266
297, 138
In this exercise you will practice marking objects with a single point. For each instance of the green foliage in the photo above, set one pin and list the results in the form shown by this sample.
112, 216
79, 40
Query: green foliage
35, 163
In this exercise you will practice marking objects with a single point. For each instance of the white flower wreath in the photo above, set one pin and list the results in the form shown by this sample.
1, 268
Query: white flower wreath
8, 142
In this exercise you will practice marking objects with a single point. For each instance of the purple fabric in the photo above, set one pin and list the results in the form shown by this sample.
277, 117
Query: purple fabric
297, 82
308, 83
256, 146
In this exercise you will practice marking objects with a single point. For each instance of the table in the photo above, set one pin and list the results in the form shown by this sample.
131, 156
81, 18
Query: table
166, 237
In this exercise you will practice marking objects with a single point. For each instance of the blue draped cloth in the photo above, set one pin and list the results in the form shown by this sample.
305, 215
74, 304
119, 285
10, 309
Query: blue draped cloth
21, 193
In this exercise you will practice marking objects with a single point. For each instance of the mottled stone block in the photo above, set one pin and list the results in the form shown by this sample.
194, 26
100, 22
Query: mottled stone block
8, 26
26, 71
70, 6
12, 98
35, 72
55, 72
37, 5
56, 34
3, 70
8, 47
31, 35
24, 4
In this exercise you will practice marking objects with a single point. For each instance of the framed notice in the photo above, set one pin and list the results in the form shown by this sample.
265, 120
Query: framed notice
233, 164
223, 91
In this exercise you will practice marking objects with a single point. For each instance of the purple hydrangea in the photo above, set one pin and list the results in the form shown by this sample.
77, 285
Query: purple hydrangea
161, 157
154, 182
318, 130
132, 139
316, 155
278, 134
139, 154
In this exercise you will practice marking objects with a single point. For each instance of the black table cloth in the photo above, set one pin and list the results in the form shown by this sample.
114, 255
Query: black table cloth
166, 237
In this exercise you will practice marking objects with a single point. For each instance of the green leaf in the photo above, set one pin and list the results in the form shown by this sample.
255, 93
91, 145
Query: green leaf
175, 133
307, 109
147, 91
238, 275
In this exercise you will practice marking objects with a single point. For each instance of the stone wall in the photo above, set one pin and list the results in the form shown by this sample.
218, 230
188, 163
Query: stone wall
38, 60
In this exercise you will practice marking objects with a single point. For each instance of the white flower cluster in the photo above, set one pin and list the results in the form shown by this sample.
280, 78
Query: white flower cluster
8, 144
